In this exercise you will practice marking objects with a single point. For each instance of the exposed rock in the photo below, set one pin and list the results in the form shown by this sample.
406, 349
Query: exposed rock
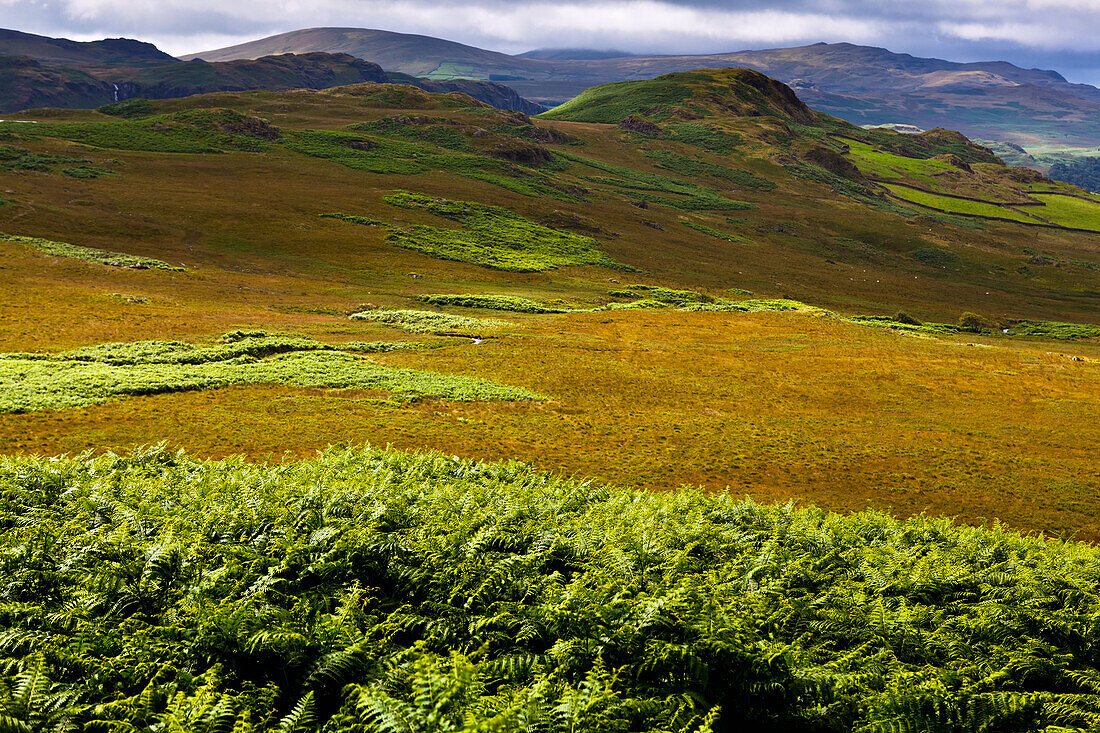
832, 161
641, 125
517, 152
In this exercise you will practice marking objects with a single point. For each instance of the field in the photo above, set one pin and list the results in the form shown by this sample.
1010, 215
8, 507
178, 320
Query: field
678, 343
886, 165
1070, 212
954, 205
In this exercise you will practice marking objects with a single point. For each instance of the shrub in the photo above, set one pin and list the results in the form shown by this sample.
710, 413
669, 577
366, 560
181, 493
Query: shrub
935, 256
973, 323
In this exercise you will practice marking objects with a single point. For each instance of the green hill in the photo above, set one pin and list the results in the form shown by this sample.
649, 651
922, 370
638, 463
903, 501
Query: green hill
693, 94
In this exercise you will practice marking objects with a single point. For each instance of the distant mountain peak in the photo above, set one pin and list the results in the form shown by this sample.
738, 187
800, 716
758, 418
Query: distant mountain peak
575, 54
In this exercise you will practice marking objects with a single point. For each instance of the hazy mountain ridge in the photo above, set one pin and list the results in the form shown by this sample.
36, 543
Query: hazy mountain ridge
862, 84
36, 71
107, 52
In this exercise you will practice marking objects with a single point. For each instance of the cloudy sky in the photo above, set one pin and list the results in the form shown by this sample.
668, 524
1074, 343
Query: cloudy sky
1057, 34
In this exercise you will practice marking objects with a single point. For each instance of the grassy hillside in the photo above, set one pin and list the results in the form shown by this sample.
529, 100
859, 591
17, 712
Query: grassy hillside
725, 292
370, 590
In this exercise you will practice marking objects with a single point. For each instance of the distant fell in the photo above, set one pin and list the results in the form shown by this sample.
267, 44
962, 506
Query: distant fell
108, 52
52, 72
421, 56
28, 83
862, 84
574, 54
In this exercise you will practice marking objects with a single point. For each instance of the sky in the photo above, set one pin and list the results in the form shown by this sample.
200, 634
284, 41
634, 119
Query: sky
1053, 34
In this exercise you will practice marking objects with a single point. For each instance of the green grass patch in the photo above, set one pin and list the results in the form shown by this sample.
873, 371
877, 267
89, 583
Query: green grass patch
416, 321
716, 233
352, 219
14, 158
880, 164
691, 167
362, 153
638, 185
491, 302
612, 103
1069, 211
89, 254
756, 305
400, 157
707, 137
373, 590
935, 256
659, 294
961, 206
494, 237
130, 109
1055, 330
893, 323
191, 131
86, 171
97, 374
437, 131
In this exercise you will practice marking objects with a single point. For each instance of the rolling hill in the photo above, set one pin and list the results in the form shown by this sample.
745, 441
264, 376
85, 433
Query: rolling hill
861, 84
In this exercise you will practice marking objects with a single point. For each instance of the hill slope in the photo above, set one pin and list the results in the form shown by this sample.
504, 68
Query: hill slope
108, 52
723, 286
861, 84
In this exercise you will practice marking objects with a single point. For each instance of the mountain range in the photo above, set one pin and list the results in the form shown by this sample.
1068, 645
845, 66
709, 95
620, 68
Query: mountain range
38, 71
861, 84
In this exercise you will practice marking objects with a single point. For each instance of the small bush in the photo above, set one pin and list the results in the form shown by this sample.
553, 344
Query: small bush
973, 323
903, 317
935, 256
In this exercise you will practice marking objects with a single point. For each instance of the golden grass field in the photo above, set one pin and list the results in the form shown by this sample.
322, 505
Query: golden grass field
773, 405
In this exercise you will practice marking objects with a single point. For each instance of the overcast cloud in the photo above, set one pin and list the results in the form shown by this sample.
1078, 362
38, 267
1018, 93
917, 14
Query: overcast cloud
1058, 34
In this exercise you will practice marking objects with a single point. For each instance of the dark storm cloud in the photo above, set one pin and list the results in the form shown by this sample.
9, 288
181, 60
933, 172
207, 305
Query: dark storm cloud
1049, 33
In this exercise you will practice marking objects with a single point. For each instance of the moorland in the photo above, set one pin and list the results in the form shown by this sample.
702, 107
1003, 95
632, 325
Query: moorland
702, 410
